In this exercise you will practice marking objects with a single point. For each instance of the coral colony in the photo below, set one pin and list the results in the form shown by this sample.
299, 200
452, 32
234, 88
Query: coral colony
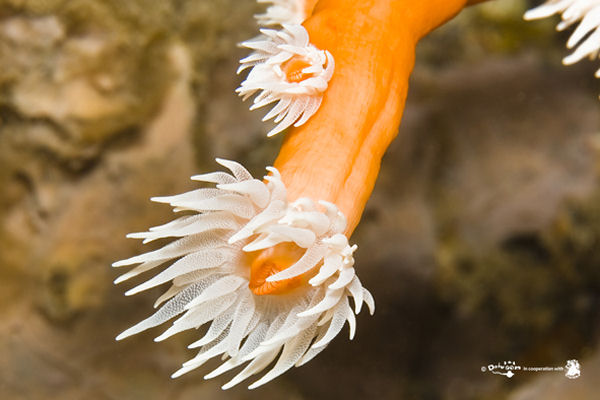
265, 266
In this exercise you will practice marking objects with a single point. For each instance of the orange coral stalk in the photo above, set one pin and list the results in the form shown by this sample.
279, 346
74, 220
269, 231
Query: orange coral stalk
336, 155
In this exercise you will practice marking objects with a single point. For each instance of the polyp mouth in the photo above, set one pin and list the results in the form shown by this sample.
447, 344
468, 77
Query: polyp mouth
269, 262
294, 69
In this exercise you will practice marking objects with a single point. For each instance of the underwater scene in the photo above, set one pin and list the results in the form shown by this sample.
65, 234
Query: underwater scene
388, 199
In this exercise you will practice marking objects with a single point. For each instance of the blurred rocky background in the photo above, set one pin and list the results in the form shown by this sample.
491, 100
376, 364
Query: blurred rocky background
481, 242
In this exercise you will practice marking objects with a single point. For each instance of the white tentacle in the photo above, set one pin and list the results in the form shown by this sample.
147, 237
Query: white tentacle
210, 274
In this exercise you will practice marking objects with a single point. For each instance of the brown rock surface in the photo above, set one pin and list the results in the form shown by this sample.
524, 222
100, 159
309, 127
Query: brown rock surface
480, 242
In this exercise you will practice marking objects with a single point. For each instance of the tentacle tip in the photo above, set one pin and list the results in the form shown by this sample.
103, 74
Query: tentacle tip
161, 337
255, 385
131, 292
120, 263
120, 279
177, 374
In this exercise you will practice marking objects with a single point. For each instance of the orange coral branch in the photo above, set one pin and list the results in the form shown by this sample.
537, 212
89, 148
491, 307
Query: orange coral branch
336, 155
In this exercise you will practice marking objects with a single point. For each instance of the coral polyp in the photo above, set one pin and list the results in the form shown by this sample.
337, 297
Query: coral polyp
214, 279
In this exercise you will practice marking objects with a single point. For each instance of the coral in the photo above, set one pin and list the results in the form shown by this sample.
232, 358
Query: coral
212, 277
